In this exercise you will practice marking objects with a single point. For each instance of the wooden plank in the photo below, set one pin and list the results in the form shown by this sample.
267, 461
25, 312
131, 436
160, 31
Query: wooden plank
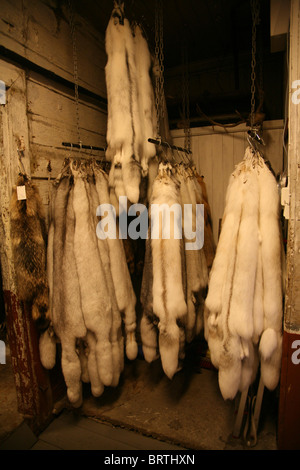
40, 32
228, 160
289, 406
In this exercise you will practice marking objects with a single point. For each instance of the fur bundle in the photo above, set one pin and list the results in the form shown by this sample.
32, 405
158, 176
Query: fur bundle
89, 284
243, 308
29, 239
130, 101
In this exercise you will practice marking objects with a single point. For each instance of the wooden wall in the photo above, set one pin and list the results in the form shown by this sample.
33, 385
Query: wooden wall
216, 151
36, 64
36, 35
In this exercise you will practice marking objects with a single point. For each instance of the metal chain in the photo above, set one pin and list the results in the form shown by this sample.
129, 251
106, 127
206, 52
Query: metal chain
255, 10
159, 57
75, 65
185, 98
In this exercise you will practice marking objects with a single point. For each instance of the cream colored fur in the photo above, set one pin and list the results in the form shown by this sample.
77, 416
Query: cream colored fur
125, 296
271, 340
241, 307
168, 298
145, 97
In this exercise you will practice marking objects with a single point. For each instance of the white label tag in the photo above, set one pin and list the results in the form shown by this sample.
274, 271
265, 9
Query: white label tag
285, 201
21, 192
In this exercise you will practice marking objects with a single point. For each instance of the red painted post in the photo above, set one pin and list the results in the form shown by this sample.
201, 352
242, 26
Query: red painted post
32, 381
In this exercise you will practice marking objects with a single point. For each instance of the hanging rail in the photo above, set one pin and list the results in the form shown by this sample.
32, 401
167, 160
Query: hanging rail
81, 146
170, 146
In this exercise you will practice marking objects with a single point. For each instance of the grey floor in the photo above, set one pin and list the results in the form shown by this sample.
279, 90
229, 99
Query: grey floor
71, 432
146, 412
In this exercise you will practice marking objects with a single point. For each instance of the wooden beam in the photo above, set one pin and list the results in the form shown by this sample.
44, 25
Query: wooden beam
289, 406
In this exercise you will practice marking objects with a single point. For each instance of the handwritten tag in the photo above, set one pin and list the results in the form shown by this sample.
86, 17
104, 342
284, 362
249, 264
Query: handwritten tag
21, 192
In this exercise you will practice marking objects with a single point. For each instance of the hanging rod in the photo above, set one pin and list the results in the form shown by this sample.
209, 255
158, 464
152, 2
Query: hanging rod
166, 144
81, 146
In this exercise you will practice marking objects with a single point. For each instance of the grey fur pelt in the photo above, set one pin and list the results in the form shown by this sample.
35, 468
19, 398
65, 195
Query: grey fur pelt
243, 315
149, 322
29, 238
95, 301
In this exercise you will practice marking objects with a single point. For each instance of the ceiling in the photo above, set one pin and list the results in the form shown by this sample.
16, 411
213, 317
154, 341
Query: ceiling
217, 34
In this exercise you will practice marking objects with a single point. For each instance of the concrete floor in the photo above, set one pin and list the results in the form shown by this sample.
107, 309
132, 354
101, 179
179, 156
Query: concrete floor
146, 411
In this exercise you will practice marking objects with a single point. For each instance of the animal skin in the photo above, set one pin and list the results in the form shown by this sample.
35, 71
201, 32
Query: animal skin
95, 302
243, 308
125, 296
168, 297
124, 136
28, 236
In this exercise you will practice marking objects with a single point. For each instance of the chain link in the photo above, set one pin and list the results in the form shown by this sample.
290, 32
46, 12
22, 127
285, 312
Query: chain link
255, 10
159, 64
75, 65
185, 97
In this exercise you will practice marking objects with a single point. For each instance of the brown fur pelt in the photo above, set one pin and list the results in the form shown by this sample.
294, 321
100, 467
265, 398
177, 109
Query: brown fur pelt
28, 236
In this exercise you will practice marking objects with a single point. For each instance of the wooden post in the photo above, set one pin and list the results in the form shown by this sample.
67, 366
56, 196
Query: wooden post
32, 382
289, 405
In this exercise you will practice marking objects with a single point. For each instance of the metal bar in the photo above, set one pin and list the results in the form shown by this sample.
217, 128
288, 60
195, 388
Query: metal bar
170, 146
42, 178
240, 415
258, 402
81, 146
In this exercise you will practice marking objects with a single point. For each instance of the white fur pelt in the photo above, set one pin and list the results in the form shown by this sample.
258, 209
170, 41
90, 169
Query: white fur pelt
95, 301
124, 137
123, 289
271, 341
243, 308
168, 297
145, 97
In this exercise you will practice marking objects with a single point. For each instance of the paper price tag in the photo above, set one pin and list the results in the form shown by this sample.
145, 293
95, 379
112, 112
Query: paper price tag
21, 192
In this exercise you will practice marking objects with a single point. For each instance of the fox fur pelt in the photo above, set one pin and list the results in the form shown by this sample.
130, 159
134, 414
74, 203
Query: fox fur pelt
130, 104
125, 296
145, 97
149, 321
116, 333
28, 236
169, 303
124, 138
95, 303
66, 314
243, 308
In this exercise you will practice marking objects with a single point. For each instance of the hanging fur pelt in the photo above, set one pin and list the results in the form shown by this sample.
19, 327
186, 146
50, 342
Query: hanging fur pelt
145, 97
168, 297
95, 303
270, 346
28, 236
124, 136
149, 321
243, 316
125, 296
209, 244
116, 333
66, 313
